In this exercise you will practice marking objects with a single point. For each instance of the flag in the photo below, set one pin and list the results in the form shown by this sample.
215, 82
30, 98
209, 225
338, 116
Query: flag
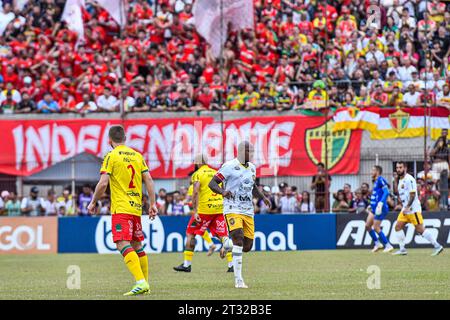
212, 17
410, 122
355, 118
73, 16
393, 123
116, 9
439, 119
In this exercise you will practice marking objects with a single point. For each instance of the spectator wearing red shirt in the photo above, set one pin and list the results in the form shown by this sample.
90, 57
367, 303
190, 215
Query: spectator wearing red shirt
284, 70
207, 99
67, 102
378, 97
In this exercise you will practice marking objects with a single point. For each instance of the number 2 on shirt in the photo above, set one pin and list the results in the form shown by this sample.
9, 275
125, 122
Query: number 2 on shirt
133, 172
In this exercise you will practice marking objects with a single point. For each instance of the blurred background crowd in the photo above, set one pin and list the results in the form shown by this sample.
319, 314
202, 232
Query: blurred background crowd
302, 54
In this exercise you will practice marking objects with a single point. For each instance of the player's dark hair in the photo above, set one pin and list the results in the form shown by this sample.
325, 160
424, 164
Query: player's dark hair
379, 169
117, 134
402, 163
321, 164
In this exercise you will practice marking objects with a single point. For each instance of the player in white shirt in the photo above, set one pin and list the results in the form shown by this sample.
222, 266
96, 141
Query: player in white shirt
411, 211
238, 188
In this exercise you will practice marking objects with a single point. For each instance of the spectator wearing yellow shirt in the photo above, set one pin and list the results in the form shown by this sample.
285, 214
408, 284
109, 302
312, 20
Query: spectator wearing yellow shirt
270, 89
390, 83
284, 100
318, 95
395, 99
234, 99
349, 100
250, 98
363, 99
436, 10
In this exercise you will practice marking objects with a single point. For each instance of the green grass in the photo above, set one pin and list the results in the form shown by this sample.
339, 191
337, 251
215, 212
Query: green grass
270, 275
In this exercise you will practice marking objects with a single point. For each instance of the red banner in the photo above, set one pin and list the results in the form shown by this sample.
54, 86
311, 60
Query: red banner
283, 145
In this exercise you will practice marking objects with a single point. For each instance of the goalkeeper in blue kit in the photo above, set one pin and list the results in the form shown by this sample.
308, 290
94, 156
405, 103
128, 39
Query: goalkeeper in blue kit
379, 211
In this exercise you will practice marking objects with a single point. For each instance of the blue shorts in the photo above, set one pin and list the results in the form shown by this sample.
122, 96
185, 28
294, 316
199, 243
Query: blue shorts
383, 214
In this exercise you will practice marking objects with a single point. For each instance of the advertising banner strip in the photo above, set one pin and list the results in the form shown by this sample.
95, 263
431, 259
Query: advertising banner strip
168, 234
28, 235
283, 145
351, 231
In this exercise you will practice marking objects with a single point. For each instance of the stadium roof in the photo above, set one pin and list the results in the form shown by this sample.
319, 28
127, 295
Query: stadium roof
86, 170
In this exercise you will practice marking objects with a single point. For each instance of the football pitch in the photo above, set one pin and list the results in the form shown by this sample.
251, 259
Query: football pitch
337, 274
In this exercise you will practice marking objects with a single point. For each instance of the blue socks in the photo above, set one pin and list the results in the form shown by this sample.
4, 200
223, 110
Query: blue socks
373, 234
381, 235
383, 238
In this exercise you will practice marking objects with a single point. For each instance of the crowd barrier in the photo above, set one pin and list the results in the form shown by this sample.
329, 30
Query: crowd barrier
167, 234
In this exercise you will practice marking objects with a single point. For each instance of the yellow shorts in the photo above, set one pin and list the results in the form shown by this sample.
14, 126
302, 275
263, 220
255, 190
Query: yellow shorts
413, 218
241, 221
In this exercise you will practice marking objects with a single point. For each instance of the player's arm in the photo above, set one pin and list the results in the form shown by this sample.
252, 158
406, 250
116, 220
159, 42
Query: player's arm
99, 191
259, 195
150, 186
195, 195
214, 185
412, 197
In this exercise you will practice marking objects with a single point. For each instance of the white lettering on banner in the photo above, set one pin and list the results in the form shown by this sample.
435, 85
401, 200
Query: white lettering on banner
447, 223
170, 147
179, 242
22, 238
281, 246
357, 236
185, 139
354, 233
88, 138
105, 147
63, 138
212, 143
156, 239
159, 142
18, 144
153, 232
385, 225
284, 241
136, 136
262, 241
290, 232
37, 143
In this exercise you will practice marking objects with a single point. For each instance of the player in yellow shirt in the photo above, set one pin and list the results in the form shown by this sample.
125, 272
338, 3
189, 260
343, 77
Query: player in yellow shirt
207, 214
206, 236
124, 169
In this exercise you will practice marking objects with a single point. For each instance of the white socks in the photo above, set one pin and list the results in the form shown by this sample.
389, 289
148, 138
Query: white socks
429, 236
401, 239
227, 243
187, 263
237, 263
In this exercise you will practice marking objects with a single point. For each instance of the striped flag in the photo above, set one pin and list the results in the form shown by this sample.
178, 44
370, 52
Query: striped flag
391, 123
354, 118
410, 122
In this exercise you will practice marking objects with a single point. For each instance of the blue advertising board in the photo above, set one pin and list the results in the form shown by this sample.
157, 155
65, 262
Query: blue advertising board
167, 234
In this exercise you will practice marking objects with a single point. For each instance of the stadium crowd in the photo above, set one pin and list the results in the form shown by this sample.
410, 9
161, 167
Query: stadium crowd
302, 54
